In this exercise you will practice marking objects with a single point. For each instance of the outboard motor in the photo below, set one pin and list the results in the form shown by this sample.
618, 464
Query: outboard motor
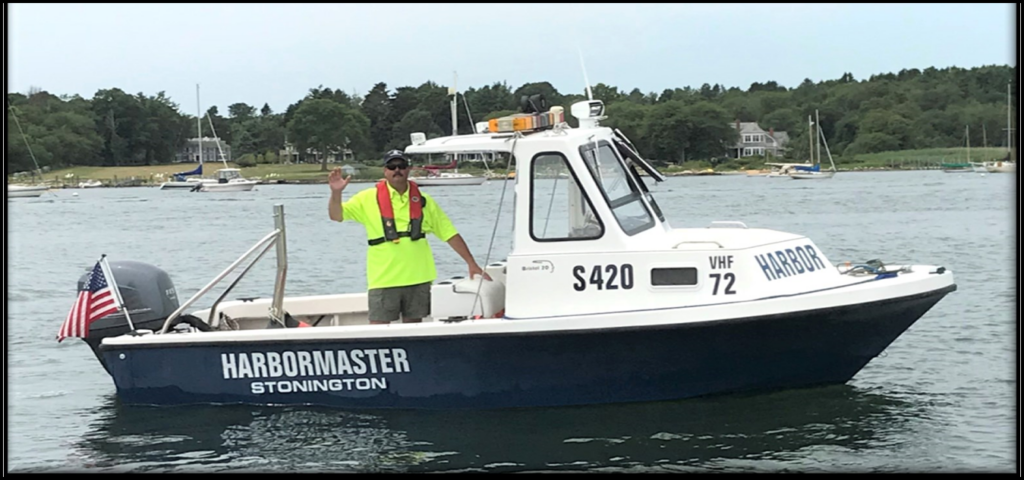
148, 294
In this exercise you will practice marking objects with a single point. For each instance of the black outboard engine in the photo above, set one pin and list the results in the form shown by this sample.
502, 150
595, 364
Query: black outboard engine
148, 294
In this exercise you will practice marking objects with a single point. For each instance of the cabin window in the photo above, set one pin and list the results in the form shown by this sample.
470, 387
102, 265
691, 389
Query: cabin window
632, 167
673, 277
559, 208
621, 193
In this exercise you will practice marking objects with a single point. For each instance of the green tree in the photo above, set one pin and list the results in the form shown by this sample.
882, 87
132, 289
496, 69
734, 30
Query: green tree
871, 143
420, 121
241, 111
606, 93
328, 127
888, 123
377, 108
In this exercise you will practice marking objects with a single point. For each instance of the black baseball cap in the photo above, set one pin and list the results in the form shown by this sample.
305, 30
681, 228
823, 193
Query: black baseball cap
394, 154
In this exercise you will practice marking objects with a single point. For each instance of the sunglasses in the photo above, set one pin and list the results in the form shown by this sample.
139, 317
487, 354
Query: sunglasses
396, 166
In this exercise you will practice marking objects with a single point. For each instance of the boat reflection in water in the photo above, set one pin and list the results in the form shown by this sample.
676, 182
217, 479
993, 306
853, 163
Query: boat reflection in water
767, 432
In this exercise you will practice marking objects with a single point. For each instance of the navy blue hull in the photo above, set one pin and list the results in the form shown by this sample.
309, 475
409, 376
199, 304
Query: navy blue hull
524, 370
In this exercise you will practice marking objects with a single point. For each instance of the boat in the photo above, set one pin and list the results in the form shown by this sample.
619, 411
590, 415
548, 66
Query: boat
814, 172
20, 190
181, 180
433, 174
182, 183
26, 191
228, 179
779, 170
435, 177
600, 301
1002, 166
968, 166
1009, 164
449, 179
91, 183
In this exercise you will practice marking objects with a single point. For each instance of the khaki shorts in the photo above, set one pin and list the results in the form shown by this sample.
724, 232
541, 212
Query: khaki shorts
412, 301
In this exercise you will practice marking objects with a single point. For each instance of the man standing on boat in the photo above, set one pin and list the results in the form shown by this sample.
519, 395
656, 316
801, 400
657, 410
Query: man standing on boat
399, 263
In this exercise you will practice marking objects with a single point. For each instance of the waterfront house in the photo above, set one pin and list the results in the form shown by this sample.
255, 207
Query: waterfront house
189, 153
290, 154
756, 141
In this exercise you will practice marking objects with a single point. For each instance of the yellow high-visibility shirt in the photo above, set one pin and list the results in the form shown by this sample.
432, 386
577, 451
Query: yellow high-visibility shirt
404, 263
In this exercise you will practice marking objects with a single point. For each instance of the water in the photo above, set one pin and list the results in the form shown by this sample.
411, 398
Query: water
942, 398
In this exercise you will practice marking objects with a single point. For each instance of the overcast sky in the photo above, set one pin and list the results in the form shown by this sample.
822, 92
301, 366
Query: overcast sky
274, 53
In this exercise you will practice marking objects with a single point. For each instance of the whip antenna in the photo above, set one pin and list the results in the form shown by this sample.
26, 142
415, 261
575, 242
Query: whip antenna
590, 94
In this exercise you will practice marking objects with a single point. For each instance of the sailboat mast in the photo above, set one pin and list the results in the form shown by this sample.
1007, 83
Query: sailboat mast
968, 130
213, 130
817, 126
810, 138
199, 125
455, 109
25, 138
1008, 125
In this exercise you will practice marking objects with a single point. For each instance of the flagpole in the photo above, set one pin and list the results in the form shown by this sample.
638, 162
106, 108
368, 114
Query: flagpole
117, 292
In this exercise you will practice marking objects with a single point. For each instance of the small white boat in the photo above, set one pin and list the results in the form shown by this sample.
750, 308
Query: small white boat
92, 183
811, 175
26, 191
779, 170
228, 180
449, 178
1001, 167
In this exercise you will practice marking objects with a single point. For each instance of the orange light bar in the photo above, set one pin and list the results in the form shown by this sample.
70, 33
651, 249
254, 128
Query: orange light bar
525, 122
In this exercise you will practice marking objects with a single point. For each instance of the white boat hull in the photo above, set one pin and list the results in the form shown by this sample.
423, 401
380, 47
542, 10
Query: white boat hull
243, 186
186, 185
811, 176
26, 191
443, 181
1002, 167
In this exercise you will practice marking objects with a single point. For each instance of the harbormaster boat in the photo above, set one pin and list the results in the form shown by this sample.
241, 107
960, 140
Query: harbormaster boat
599, 301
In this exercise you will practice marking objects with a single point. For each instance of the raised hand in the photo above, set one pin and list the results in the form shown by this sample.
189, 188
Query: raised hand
336, 181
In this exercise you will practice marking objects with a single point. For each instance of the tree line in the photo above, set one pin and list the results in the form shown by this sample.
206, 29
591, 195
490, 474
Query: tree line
911, 109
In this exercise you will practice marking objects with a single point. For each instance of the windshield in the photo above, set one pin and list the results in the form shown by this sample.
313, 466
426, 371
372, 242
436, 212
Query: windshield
617, 187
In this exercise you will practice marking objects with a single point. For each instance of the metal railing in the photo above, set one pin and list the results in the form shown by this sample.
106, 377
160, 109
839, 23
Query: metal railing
276, 237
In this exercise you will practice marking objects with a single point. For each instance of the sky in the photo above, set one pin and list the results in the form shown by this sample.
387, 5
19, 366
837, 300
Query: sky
275, 53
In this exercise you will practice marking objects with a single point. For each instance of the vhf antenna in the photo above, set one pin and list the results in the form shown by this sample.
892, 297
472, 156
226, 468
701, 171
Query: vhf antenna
590, 94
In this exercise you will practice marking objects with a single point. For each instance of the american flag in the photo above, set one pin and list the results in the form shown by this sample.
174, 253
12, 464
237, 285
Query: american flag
95, 302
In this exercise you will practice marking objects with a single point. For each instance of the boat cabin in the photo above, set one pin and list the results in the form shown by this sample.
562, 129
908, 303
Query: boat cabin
226, 175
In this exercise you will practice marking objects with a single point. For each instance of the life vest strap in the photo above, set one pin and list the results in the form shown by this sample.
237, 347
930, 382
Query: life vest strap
380, 240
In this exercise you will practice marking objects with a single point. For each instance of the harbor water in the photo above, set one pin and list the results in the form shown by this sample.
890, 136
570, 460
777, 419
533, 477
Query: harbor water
941, 398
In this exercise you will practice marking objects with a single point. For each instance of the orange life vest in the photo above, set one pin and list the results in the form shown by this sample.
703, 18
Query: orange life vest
387, 214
